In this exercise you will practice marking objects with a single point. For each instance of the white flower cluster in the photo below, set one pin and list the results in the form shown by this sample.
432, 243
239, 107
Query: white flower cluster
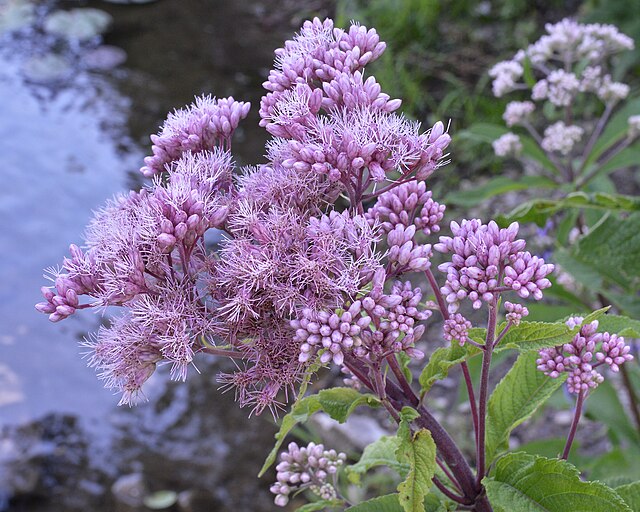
517, 112
505, 75
561, 138
576, 41
592, 80
507, 145
559, 87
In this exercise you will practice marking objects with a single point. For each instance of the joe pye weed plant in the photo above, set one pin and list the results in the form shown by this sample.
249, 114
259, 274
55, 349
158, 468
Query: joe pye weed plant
318, 248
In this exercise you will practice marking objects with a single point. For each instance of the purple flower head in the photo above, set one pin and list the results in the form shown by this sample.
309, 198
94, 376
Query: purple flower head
351, 91
204, 125
306, 467
395, 317
456, 327
581, 357
335, 332
405, 255
515, 312
487, 260
406, 204
320, 52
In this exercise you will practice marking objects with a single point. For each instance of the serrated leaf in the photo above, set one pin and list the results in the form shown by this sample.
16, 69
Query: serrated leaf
419, 451
339, 403
539, 210
595, 315
441, 361
535, 335
610, 250
620, 325
528, 483
381, 452
386, 503
516, 397
630, 493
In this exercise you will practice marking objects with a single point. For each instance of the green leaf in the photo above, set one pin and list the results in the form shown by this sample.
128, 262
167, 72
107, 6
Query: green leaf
630, 493
496, 186
619, 466
515, 399
488, 132
620, 325
419, 451
441, 361
628, 157
404, 360
535, 335
604, 405
539, 210
379, 453
611, 250
527, 483
316, 506
550, 448
339, 403
386, 503
616, 129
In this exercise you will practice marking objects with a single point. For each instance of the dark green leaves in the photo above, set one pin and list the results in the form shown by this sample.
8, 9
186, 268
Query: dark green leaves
515, 399
539, 210
441, 361
527, 483
379, 453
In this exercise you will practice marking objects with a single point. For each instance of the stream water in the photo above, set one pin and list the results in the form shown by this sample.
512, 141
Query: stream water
71, 135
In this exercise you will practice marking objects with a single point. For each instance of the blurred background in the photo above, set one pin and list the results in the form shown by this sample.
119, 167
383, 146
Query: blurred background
82, 85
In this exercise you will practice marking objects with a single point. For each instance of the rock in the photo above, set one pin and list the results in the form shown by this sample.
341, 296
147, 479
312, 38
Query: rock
104, 57
80, 24
161, 500
47, 69
16, 14
130, 490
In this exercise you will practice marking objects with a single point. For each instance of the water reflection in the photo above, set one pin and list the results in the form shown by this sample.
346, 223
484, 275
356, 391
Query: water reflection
70, 137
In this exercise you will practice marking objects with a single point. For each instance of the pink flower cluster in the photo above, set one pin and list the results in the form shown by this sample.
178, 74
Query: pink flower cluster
204, 125
306, 467
581, 357
487, 260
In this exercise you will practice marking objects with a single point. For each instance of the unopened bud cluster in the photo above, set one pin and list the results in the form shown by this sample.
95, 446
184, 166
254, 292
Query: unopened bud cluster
487, 260
580, 358
306, 467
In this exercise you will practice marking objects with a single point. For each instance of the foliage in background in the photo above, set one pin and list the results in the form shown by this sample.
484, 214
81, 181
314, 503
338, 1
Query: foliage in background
439, 54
